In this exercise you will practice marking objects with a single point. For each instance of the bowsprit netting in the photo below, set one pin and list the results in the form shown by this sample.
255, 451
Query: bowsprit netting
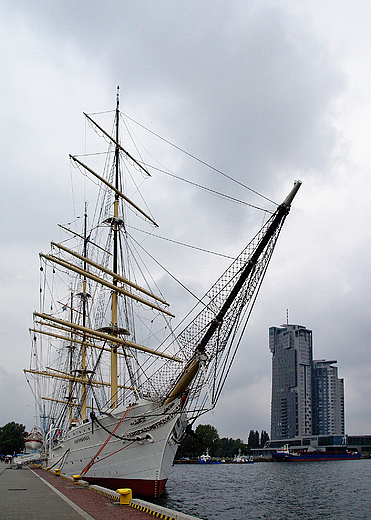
215, 331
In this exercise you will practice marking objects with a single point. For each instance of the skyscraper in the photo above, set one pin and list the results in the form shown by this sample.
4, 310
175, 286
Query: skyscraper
291, 405
307, 395
327, 399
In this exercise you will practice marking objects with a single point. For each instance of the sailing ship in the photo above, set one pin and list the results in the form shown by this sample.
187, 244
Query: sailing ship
117, 386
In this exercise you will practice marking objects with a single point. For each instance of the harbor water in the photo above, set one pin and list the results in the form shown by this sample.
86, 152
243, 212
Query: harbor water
277, 491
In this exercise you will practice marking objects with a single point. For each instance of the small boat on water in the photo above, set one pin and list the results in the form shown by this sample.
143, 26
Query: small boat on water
286, 454
207, 459
116, 383
242, 459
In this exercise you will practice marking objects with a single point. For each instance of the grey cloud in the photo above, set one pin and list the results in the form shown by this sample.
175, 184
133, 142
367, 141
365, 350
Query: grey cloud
255, 89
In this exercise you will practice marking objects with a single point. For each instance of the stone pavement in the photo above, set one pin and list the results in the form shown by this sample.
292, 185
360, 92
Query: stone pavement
31, 493
24, 496
34, 494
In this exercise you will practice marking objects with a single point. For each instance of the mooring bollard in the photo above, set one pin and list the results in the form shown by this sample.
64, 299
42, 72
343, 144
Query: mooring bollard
125, 495
57, 472
76, 478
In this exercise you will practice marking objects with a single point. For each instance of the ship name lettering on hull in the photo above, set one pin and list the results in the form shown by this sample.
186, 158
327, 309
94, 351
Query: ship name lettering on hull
82, 439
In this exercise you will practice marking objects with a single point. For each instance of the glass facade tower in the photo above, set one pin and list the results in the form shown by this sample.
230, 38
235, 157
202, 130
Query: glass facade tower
327, 399
291, 405
307, 395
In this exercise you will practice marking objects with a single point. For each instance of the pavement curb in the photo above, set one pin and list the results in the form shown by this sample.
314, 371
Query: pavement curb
159, 511
147, 507
106, 492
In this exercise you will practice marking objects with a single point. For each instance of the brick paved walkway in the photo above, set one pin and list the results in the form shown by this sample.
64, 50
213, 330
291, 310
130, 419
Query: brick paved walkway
25, 494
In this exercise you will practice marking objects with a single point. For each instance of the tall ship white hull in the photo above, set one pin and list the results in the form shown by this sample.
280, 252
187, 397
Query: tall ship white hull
140, 456
117, 384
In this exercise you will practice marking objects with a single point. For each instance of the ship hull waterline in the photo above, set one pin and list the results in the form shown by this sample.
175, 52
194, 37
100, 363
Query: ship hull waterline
313, 457
139, 455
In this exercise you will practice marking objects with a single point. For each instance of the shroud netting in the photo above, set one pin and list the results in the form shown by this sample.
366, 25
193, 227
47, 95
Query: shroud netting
221, 348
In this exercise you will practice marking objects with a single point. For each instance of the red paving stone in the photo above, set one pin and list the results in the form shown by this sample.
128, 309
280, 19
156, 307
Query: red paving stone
98, 506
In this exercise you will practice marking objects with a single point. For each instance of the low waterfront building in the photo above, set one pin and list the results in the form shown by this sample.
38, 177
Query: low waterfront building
361, 443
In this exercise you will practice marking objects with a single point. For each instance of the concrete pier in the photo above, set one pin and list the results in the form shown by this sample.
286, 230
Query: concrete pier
31, 493
23, 494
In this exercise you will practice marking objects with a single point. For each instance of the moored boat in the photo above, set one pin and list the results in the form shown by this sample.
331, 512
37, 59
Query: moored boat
242, 459
286, 454
35, 439
116, 385
206, 458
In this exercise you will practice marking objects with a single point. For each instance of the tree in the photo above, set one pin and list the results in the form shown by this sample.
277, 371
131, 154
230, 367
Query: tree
210, 438
207, 438
264, 437
12, 437
253, 440
230, 447
188, 448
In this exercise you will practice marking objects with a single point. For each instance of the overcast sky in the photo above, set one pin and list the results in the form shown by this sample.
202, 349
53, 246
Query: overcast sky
266, 91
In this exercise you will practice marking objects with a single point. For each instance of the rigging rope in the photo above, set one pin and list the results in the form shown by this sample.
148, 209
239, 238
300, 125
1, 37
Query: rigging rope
199, 160
89, 465
182, 243
214, 192
168, 272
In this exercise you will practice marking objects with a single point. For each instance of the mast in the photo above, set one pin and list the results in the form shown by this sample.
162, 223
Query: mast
70, 385
114, 326
206, 346
264, 248
84, 312
279, 217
